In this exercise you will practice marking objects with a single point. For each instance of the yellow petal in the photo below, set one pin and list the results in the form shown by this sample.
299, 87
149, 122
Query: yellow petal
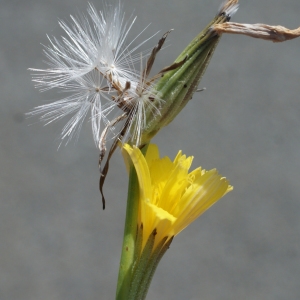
154, 217
152, 153
141, 169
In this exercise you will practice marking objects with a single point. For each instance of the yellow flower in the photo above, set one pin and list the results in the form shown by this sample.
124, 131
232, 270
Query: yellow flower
170, 197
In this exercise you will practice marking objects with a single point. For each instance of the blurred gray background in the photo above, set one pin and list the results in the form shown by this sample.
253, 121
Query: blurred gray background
56, 243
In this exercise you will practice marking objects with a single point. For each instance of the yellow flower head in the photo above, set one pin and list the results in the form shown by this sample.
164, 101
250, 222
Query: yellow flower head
170, 197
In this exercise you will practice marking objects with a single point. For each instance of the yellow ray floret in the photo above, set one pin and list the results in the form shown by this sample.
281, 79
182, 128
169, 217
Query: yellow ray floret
170, 197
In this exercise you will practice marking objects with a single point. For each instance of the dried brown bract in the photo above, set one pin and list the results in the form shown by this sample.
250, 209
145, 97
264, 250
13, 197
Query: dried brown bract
261, 31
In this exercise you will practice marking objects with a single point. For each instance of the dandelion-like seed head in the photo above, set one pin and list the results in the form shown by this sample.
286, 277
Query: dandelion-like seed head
94, 65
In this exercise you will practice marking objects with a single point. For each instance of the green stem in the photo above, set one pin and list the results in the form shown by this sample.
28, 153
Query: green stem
130, 230
127, 255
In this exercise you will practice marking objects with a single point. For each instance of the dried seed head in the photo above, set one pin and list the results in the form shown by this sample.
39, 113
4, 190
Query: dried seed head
95, 66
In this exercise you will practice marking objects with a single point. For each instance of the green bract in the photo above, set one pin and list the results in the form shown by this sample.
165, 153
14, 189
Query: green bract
176, 87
